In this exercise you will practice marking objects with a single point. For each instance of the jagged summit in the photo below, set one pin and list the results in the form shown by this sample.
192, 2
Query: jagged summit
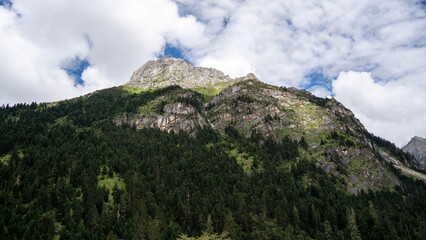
417, 147
175, 71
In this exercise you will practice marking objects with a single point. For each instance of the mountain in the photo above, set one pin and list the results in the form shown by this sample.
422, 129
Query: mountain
181, 150
335, 139
417, 147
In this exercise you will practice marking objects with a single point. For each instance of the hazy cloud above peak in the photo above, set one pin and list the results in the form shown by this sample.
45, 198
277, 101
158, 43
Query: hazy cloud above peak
370, 54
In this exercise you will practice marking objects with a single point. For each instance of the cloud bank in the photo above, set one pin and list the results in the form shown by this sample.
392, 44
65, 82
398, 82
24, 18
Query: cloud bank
393, 110
370, 54
40, 37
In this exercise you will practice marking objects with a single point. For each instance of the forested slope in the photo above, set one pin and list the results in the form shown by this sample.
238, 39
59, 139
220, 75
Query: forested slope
68, 172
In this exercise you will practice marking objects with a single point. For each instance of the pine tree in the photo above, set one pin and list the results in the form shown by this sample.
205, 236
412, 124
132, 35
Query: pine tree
328, 231
288, 234
209, 225
229, 225
154, 228
93, 217
111, 236
296, 218
352, 226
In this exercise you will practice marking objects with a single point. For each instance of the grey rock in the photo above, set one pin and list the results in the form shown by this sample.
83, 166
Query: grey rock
353, 179
174, 71
417, 147
179, 108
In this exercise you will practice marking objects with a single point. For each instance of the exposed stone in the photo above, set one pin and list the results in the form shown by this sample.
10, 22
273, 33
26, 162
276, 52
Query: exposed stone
173, 71
417, 147
179, 108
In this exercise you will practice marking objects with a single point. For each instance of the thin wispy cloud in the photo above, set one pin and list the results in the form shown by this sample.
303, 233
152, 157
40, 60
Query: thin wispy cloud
369, 54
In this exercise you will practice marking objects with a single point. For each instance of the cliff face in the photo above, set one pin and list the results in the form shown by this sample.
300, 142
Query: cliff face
417, 147
169, 113
335, 139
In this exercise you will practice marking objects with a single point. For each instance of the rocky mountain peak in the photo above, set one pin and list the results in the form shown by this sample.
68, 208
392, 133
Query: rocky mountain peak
174, 71
249, 76
417, 147
416, 139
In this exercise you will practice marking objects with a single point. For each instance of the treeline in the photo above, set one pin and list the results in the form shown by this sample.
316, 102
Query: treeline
68, 172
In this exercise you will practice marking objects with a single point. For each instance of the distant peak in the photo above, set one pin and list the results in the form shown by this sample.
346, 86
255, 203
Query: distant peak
153, 67
418, 138
168, 60
250, 76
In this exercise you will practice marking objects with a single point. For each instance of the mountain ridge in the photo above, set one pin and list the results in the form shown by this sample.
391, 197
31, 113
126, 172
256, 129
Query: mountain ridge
252, 107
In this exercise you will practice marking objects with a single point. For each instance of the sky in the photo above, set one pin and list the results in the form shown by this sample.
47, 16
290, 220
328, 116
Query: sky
368, 54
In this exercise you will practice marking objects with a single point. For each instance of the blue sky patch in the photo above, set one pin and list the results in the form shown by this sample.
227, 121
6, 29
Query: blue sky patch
225, 22
75, 67
317, 78
173, 51
421, 4
6, 3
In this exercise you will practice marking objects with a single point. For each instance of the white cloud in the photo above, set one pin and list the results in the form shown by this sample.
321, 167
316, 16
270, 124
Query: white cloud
393, 110
284, 41
234, 66
320, 91
116, 38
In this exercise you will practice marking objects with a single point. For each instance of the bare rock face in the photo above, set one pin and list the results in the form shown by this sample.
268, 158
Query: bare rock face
174, 116
184, 118
173, 71
417, 147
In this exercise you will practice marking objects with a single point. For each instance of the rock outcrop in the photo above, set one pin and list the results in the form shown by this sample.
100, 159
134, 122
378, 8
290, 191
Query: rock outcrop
171, 114
173, 71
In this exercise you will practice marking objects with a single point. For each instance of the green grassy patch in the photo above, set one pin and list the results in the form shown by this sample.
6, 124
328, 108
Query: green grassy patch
243, 159
355, 164
109, 183
285, 131
61, 122
5, 159
312, 125
134, 90
211, 90
159, 79
137, 90
210, 145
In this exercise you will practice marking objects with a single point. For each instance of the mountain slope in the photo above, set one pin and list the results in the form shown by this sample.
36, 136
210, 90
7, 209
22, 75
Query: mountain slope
335, 139
128, 163
417, 147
